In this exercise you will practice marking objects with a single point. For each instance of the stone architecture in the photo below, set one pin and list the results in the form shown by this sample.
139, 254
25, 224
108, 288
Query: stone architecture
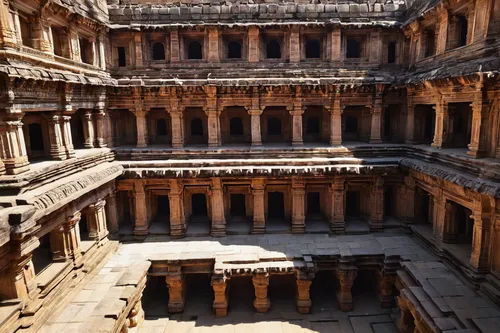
253, 143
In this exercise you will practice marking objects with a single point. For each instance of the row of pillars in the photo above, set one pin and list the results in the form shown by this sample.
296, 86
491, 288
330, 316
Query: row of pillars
214, 129
13, 152
258, 188
176, 283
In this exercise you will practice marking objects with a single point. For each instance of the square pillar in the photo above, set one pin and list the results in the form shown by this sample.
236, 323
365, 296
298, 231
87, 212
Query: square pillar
7, 30
336, 44
438, 215
88, 129
65, 241
141, 227
479, 129
217, 201
441, 128
13, 148
376, 118
377, 205
386, 280
176, 202
140, 118
296, 112
255, 126
112, 212
219, 284
442, 30
100, 141
345, 273
97, 221
259, 217
18, 279
408, 200
260, 283
253, 44
57, 150
176, 289
410, 122
213, 44
337, 190
174, 46
177, 120
298, 203
294, 44
138, 50
303, 282
481, 237
336, 121
214, 136
66, 135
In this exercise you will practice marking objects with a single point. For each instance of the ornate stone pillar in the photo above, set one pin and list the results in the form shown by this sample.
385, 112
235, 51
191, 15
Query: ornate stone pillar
176, 289
441, 129
336, 121
217, 202
99, 124
253, 44
298, 203
438, 216
214, 139
65, 241
219, 284
176, 202
377, 205
449, 234
140, 118
303, 282
138, 50
7, 30
255, 126
57, 150
294, 44
67, 139
112, 212
18, 278
296, 112
259, 217
376, 118
481, 237
13, 152
386, 280
88, 129
337, 190
96, 220
345, 273
141, 227
479, 128
177, 119
260, 283
213, 44
40, 35
174, 45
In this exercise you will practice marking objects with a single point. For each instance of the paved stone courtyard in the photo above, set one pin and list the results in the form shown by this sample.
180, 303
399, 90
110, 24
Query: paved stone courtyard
367, 316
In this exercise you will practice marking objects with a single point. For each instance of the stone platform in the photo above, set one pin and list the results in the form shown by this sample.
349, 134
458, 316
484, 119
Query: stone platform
257, 257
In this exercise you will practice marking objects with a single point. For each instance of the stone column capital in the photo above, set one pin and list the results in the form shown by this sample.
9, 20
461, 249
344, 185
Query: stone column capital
254, 111
98, 205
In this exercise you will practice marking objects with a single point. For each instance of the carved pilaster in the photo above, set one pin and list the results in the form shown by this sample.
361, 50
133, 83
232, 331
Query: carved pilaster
176, 201
57, 150
7, 30
177, 119
176, 289
140, 118
296, 112
441, 128
386, 279
294, 44
336, 44
336, 121
376, 118
219, 284
96, 220
439, 216
138, 50
259, 218
99, 124
217, 201
66, 135
260, 283
410, 122
214, 135
141, 227
213, 44
112, 212
298, 203
481, 237
377, 205
479, 127
337, 190
13, 148
88, 129
253, 44
345, 273
255, 126
303, 282
65, 241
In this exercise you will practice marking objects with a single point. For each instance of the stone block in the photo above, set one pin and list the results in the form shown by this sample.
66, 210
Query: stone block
329, 8
343, 8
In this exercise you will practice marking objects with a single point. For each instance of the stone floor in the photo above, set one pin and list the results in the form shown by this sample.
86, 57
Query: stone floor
367, 316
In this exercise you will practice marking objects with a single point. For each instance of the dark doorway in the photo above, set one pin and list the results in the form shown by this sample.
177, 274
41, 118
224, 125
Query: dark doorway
161, 127
199, 204
84, 228
234, 50
196, 127
352, 204
313, 203
199, 296
158, 51
163, 205
351, 124
462, 26
391, 53
388, 201
313, 49
313, 126
42, 255
464, 224
276, 205
273, 49
122, 58
430, 43
236, 126
195, 50
429, 125
238, 205
36, 137
273, 126
353, 49
155, 297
